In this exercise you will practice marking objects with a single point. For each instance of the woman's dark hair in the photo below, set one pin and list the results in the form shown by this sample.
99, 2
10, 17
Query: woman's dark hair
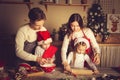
36, 14
74, 17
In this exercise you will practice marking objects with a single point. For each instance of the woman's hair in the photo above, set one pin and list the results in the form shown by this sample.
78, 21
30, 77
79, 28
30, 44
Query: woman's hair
74, 17
36, 14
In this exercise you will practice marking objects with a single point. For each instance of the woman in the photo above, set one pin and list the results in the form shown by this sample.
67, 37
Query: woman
75, 30
26, 37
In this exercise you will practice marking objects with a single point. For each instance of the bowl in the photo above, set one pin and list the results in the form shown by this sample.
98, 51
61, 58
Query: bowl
48, 67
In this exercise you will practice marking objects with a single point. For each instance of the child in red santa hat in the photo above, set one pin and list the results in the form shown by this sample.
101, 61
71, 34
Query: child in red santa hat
44, 48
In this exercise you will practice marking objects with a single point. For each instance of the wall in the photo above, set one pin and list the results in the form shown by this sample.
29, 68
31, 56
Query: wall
12, 16
16, 14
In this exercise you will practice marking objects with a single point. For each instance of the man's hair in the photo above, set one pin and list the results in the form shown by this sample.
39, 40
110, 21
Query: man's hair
36, 14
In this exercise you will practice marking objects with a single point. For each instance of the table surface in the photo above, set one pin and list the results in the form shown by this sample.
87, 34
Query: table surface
59, 75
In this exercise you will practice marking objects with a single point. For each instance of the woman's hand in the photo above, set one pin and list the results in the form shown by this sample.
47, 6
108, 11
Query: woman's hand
96, 59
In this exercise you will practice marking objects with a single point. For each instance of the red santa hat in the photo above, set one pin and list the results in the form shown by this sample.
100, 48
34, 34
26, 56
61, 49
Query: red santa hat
42, 35
77, 40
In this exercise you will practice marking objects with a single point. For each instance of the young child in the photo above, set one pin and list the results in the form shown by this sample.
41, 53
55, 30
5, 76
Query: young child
77, 57
44, 48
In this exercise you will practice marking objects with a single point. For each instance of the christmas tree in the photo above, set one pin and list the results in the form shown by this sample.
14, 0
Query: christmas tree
97, 21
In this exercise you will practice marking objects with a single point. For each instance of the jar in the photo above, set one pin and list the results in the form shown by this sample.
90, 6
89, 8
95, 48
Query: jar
83, 1
68, 2
56, 1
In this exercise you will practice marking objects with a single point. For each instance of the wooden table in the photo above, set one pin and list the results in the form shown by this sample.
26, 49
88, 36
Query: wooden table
59, 75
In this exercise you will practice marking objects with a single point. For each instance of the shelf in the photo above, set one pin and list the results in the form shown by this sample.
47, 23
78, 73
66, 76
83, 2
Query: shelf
11, 2
15, 2
51, 3
54, 4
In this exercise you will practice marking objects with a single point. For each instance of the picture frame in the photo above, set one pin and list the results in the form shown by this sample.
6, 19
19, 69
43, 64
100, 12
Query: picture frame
113, 23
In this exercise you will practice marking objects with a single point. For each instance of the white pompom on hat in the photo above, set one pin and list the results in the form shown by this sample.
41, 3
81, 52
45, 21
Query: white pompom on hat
77, 40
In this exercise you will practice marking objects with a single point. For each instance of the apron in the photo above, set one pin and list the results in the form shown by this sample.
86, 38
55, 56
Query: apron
89, 51
50, 52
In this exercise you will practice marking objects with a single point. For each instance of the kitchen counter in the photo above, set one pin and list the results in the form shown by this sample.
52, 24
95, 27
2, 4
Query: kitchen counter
59, 75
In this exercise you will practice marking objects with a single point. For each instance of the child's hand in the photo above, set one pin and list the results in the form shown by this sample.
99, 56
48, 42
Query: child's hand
67, 68
49, 60
42, 61
96, 72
